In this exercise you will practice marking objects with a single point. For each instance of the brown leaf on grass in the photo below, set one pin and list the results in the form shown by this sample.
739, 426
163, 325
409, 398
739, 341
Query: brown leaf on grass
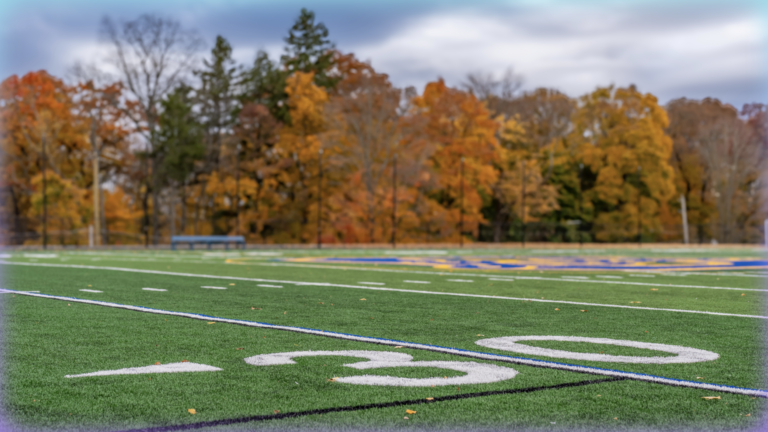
362, 299
211, 322
654, 289
710, 397
430, 398
285, 312
277, 411
239, 349
584, 310
157, 363
320, 303
333, 379
480, 334
231, 284
743, 294
635, 302
185, 361
399, 346
408, 411
557, 308
405, 418
747, 415
192, 411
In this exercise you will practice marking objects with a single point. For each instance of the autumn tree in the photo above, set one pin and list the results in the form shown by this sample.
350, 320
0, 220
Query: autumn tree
619, 134
153, 55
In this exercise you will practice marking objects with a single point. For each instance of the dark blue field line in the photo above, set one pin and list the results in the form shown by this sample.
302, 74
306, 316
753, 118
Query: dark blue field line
279, 416
426, 347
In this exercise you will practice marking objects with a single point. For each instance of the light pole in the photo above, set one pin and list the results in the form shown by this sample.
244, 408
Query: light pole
461, 211
639, 226
237, 188
522, 206
319, 195
394, 201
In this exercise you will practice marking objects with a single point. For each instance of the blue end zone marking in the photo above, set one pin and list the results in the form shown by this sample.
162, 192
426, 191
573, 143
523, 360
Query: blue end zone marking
331, 333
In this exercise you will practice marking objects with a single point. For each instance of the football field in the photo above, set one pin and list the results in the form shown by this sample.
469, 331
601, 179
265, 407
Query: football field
381, 339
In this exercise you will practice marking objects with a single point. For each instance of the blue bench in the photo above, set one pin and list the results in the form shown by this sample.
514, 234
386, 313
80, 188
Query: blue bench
209, 240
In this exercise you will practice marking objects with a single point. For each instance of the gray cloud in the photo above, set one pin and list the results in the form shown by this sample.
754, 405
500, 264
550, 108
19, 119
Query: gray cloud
684, 49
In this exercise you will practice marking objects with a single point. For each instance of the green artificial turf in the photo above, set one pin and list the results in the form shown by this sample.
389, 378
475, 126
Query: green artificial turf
46, 339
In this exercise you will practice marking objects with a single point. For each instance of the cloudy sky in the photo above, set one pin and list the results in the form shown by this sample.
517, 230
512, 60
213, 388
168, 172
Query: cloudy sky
670, 48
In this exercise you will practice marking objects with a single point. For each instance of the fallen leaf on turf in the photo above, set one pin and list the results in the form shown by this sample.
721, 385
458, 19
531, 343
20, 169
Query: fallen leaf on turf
399, 346
747, 415
88, 285
743, 294
212, 322
69, 304
157, 363
333, 379
405, 418
320, 303
410, 411
445, 377
599, 395
192, 411
231, 284
584, 310
699, 377
430, 398
285, 312
635, 302
185, 361
710, 397
238, 349
654, 289
615, 418
646, 331
277, 411
481, 335
557, 308
362, 299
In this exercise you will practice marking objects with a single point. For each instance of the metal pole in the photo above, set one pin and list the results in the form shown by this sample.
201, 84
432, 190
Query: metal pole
237, 190
639, 223
45, 200
522, 206
461, 211
581, 209
684, 212
394, 201
319, 195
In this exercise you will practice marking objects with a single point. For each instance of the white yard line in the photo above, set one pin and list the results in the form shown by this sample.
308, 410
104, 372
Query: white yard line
213, 287
433, 348
154, 289
372, 283
326, 284
268, 286
609, 277
417, 282
574, 277
459, 280
497, 275
89, 290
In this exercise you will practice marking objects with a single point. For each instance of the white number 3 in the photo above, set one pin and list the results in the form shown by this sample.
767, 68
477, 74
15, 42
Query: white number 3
476, 373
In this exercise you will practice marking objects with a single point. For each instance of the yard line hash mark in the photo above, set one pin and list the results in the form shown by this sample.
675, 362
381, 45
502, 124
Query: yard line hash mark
90, 290
674, 382
422, 401
326, 284
371, 283
459, 280
268, 286
416, 282
154, 289
213, 287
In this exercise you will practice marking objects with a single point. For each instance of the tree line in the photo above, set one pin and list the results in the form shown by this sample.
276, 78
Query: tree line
317, 146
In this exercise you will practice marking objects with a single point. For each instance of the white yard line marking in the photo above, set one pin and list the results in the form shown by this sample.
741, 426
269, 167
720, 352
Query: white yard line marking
326, 284
372, 283
608, 277
269, 286
154, 289
459, 280
153, 369
513, 278
213, 287
574, 277
89, 290
417, 282
434, 348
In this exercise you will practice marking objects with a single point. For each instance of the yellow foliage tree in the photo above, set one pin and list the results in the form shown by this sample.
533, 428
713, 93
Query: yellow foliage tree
619, 134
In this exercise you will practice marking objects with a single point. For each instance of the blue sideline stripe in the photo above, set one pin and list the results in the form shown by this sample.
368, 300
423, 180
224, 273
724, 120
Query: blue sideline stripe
414, 345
